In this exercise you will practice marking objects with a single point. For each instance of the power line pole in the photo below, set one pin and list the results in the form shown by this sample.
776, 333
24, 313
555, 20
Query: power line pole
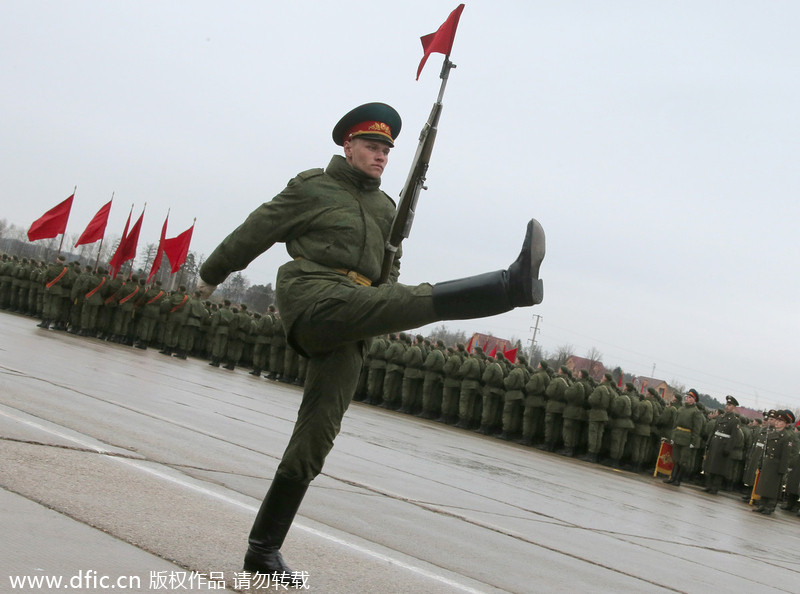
532, 340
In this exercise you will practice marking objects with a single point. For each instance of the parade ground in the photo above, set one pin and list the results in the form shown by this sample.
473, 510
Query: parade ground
126, 469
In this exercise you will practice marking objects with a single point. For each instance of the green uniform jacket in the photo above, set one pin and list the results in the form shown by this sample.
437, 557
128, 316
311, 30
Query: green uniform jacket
689, 423
599, 401
333, 219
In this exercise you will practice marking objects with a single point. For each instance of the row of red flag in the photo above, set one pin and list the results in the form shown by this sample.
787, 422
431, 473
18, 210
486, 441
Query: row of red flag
54, 223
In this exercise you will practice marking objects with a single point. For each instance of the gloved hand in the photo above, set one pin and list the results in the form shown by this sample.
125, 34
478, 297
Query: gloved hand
205, 289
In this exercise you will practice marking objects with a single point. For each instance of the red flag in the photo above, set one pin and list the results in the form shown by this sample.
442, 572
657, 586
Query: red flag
511, 355
51, 223
440, 42
177, 248
96, 228
127, 247
494, 351
114, 265
621, 375
159, 251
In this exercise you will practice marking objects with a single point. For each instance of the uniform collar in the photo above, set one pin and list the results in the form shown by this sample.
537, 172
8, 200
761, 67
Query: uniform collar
341, 170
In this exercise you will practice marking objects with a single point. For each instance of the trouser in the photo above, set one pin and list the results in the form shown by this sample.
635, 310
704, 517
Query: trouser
512, 414
533, 423
432, 393
617, 444
596, 430
552, 427
375, 384
571, 431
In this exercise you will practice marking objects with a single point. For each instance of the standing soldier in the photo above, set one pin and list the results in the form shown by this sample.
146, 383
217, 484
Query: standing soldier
126, 302
262, 328
599, 402
554, 409
413, 377
176, 317
277, 348
778, 450
493, 393
535, 402
470, 373
377, 370
686, 436
640, 436
220, 328
394, 372
620, 423
755, 452
149, 308
719, 455
193, 320
514, 384
432, 384
451, 388
54, 283
574, 415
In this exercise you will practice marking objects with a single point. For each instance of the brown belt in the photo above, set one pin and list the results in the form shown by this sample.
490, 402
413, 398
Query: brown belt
683, 429
354, 276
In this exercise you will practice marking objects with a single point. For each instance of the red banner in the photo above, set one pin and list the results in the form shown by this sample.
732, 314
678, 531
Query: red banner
664, 464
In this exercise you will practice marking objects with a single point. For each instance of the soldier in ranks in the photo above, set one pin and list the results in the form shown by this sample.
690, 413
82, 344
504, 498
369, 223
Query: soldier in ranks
413, 376
36, 290
492, 394
123, 314
149, 307
377, 369
620, 423
756, 451
192, 321
53, 279
470, 374
394, 372
513, 398
239, 328
291, 364
574, 414
534, 405
640, 436
719, 460
78, 297
778, 450
262, 326
176, 316
433, 367
554, 409
792, 491
652, 396
599, 402
277, 348
220, 327
686, 438
6, 266
451, 387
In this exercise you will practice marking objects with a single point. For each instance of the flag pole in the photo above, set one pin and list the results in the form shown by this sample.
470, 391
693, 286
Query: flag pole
64, 234
102, 239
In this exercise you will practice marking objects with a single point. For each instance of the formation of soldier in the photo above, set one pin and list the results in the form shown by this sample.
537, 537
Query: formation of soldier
551, 409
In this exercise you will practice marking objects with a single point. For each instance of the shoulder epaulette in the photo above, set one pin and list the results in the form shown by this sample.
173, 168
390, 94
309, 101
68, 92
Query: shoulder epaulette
309, 173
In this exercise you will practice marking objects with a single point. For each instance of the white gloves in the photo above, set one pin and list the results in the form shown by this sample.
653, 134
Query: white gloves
205, 289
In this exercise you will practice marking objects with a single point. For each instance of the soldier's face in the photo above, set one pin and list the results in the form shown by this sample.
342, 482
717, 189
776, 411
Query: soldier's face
368, 156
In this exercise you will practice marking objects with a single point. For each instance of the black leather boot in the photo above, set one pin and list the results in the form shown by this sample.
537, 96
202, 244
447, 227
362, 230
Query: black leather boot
496, 292
273, 521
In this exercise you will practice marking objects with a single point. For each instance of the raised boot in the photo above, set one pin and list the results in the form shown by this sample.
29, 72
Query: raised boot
496, 292
269, 530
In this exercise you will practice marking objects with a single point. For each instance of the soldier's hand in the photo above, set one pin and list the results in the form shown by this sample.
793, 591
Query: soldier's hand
205, 289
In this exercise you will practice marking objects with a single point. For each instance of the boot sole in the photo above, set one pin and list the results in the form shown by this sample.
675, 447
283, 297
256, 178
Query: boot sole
538, 249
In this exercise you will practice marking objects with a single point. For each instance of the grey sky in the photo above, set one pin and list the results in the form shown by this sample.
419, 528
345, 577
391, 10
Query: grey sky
655, 141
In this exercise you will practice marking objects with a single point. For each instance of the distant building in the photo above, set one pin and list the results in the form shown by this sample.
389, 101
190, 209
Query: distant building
660, 386
489, 344
595, 368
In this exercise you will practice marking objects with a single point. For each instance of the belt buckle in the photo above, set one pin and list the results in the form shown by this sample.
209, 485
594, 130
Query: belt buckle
352, 275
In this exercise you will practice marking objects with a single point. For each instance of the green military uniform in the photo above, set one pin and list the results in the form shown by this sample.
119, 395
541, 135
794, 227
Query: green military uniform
686, 438
470, 373
493, 393
574, 414
719, 455
535, 402
599, 402
221, 322
393, 378
451, 388
640, 436
377, 370
335, 224
149, 307
413, 378
513, 399
779, 448
620, 423
433, 367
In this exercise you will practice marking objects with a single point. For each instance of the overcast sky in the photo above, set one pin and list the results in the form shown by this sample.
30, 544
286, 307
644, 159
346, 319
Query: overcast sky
656, 142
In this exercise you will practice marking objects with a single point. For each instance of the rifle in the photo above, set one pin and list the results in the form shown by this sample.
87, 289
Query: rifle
404, 216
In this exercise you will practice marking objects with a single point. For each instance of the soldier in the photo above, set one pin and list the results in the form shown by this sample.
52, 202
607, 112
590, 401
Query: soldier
599, 402
574, 415
686, 435
193, 320
620, 423
493, 393
640, 436
793, 476
54, 283
470, 373
535, 402
514, 384
392, 381
335, 223
377, 369
451, 388
149, 307
719, 461
413, 377
774, 464
220, 327
176, 317
755, 452
432, 383
262, 328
